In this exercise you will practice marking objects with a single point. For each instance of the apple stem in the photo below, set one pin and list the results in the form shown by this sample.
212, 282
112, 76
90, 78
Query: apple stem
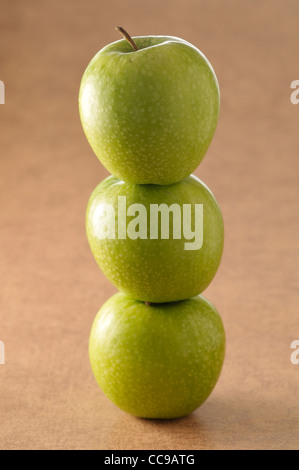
127, 37
148, 304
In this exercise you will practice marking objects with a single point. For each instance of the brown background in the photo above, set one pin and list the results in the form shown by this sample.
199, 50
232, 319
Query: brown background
50, 286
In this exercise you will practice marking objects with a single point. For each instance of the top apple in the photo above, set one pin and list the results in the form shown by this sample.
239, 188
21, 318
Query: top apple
150, 114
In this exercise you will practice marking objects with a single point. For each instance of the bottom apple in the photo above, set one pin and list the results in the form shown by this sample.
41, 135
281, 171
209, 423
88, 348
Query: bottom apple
157, 361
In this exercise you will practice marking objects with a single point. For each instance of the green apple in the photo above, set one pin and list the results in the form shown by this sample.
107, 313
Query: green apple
149, 114
157, 361
156, 243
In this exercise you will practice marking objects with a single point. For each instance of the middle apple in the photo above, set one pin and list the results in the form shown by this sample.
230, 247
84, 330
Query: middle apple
156, 243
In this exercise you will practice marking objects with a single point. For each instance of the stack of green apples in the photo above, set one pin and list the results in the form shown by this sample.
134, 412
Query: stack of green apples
149, 108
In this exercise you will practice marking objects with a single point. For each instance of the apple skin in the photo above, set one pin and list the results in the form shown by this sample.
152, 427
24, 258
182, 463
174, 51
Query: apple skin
157, 270
150, 115
157, 361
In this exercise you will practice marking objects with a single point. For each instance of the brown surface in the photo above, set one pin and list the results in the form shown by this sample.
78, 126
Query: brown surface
51, 287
